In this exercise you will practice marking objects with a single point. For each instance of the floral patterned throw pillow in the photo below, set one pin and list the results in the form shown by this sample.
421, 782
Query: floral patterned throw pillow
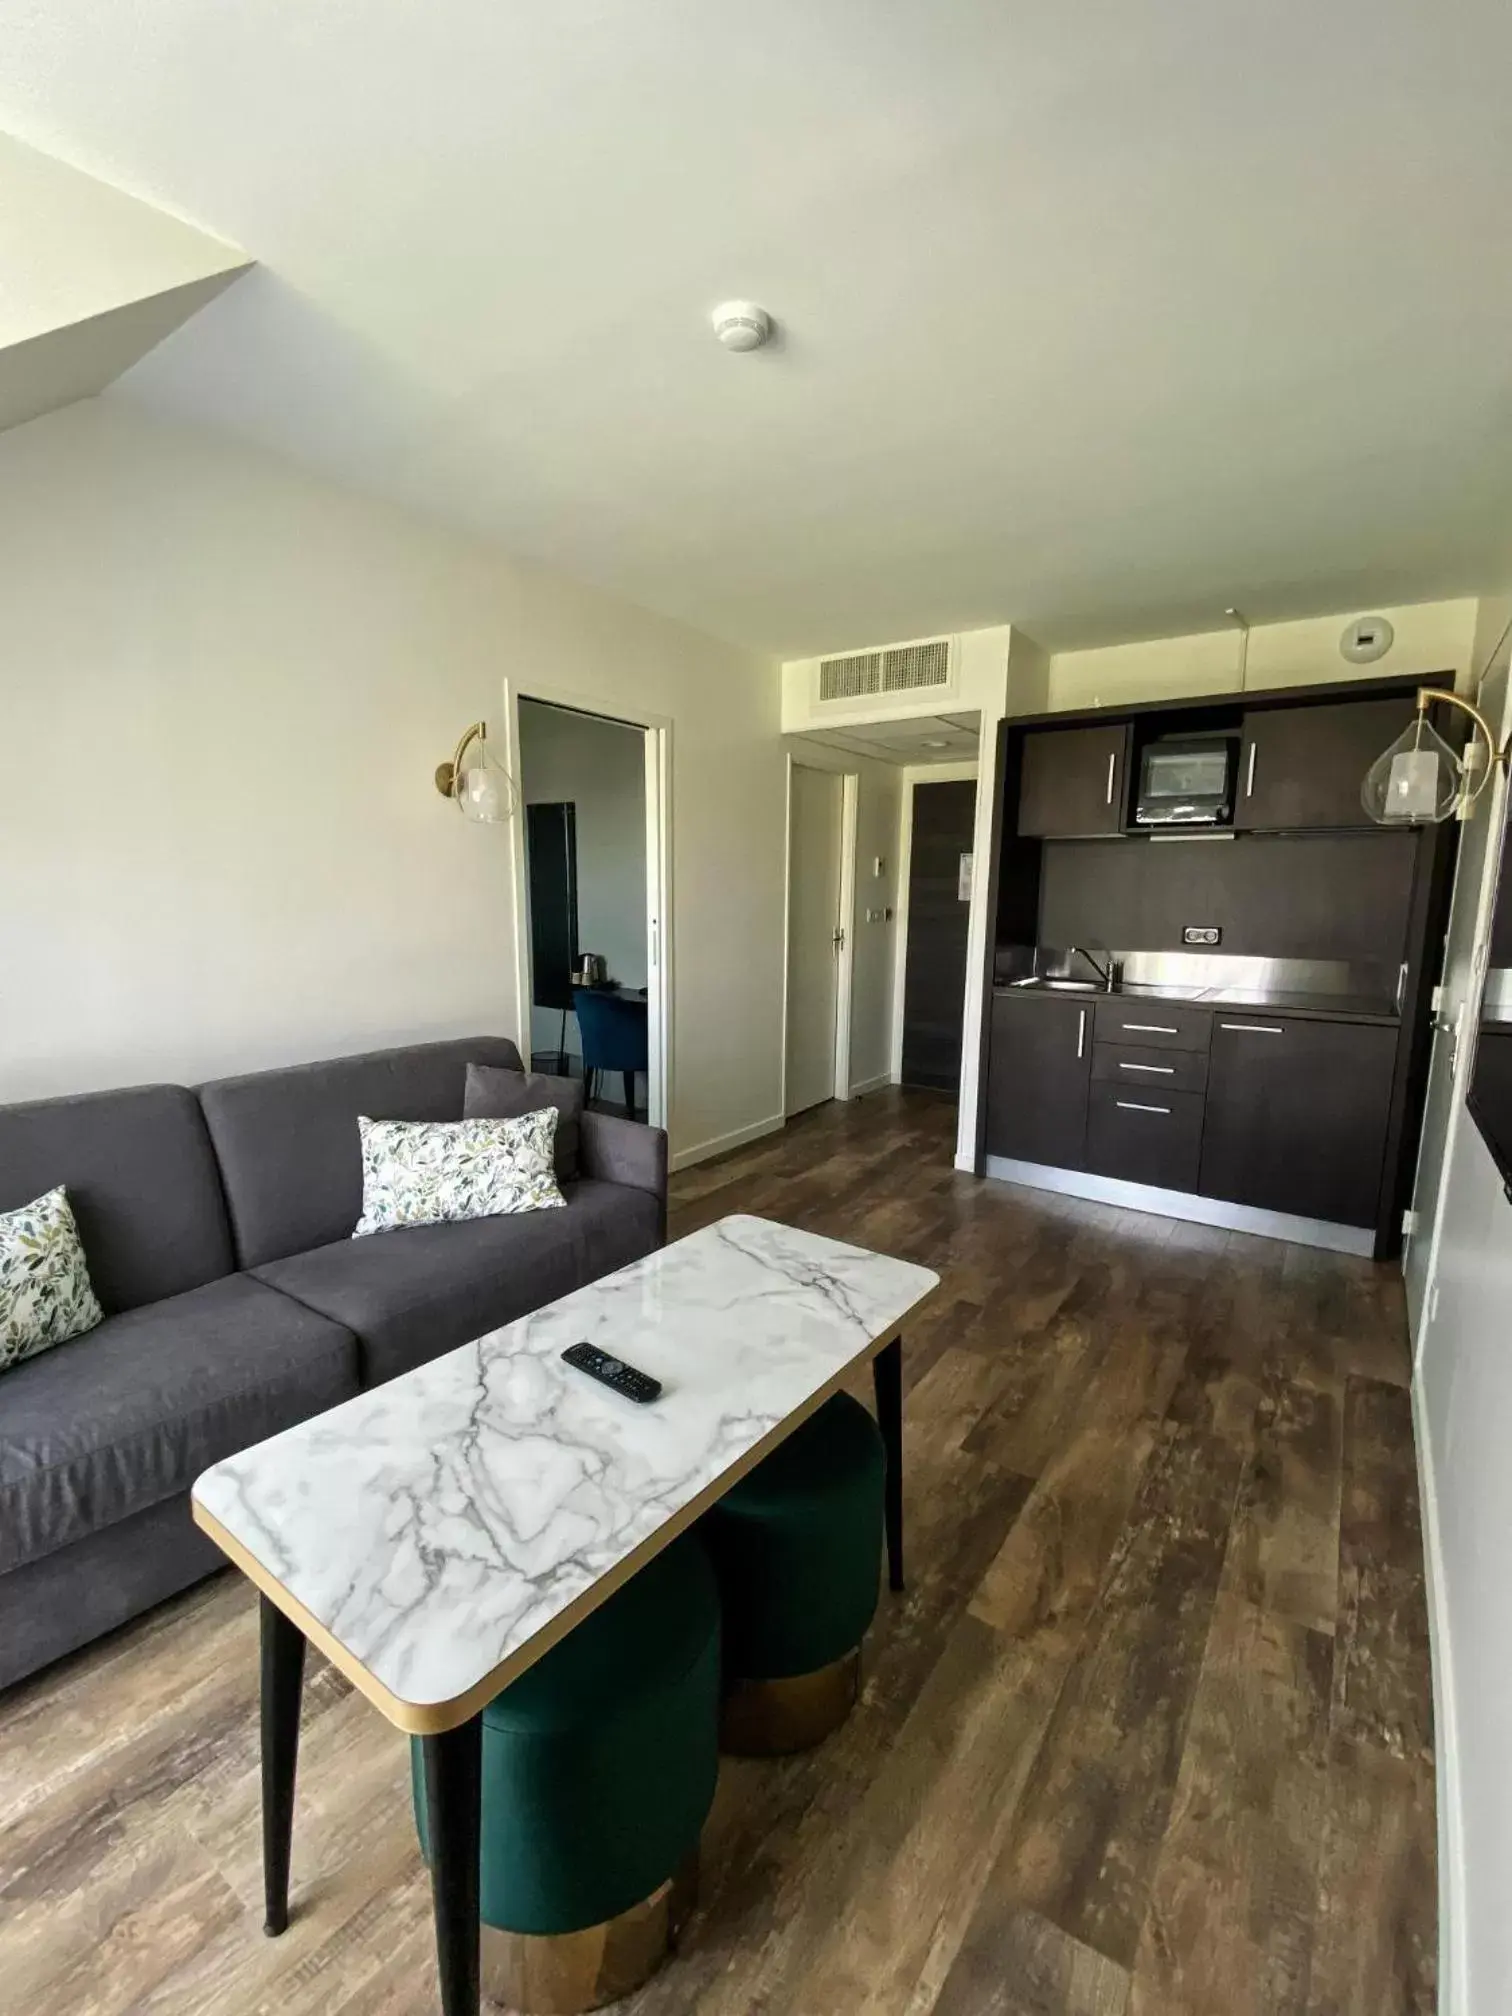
45, 1296
430, 1172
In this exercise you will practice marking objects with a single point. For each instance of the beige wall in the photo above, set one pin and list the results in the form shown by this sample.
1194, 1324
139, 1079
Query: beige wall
1430, 637
224, 686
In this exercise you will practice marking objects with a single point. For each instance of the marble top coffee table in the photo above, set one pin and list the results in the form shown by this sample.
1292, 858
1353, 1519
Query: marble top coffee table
436, 1535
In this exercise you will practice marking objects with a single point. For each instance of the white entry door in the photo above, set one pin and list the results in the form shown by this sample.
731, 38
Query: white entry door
816, 815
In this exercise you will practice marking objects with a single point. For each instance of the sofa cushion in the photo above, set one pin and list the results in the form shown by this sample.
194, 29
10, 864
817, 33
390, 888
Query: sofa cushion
45, 1296
412, 1294
493, 1094
287, 1140
442, 1172
133, 1411
141, 1181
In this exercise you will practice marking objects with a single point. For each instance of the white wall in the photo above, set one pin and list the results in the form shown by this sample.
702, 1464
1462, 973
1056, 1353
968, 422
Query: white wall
224, 685
599, 767
1430, 637
1464, 1410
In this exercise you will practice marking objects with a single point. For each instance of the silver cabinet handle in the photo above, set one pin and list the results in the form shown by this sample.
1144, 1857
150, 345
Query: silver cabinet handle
1134, 1106
1150, 1028
1156, 1070
1249, 781
1112, 770
1081, 1033
1253, 1028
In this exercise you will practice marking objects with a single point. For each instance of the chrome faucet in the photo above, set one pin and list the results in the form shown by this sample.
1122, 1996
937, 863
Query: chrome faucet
1108, 974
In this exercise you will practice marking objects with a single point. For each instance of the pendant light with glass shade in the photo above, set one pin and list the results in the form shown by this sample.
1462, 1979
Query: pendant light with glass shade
480, 787
1421, 779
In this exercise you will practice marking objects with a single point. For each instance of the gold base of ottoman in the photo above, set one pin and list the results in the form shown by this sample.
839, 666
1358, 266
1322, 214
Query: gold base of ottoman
563, 1973
768, 1718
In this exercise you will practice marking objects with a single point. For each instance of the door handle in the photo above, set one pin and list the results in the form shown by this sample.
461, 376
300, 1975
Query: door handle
1155, 1070
1081, 1033
1134, 1106
838, 940
1253, 1028
1112, 772
1249, 780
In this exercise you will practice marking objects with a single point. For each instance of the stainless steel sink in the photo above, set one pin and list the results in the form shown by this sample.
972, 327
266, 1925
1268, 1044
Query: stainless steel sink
1057, 986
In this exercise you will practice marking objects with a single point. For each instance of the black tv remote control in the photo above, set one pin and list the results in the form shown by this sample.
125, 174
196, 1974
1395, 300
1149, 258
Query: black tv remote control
613, 1372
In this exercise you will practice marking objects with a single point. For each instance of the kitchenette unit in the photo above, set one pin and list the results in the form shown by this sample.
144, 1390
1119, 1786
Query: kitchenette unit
1212, 976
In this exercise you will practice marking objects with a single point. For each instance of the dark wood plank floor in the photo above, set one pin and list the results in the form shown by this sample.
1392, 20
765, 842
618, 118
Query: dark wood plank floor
1148, 1734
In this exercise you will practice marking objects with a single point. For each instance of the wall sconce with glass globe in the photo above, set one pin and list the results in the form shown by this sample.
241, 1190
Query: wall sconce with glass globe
1421, 779
481, 788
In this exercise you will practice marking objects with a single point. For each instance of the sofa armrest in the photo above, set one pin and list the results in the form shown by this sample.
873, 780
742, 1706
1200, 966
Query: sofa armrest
624, 1151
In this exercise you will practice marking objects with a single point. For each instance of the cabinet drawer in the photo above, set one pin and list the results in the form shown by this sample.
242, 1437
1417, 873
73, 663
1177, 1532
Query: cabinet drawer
1152, 1025
1158, 1071
1145, 1136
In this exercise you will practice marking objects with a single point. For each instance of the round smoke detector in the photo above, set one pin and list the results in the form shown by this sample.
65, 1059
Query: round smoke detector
741, 325
1366, 639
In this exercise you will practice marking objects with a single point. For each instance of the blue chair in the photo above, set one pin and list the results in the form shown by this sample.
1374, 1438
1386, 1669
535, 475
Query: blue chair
614, 1037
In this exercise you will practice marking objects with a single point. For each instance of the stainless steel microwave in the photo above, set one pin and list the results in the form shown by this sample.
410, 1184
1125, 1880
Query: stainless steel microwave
1188, 781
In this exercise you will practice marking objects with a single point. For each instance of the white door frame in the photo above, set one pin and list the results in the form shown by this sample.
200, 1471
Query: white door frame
914, 774
1462, 1064
659, 936
850, 798
1421, 1310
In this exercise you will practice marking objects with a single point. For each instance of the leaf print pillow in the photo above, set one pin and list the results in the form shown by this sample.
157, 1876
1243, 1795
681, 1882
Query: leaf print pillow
433, 1172
45, 1294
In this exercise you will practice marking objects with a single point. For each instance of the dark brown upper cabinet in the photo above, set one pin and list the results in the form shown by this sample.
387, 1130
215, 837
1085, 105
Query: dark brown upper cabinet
1038, 1079
1303, 766
1074, 782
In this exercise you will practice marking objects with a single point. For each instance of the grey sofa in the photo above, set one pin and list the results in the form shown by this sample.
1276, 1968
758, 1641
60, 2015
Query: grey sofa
217, 1227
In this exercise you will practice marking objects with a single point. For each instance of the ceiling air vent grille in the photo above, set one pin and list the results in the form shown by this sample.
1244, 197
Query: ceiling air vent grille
905, 668
850, 678
909, 666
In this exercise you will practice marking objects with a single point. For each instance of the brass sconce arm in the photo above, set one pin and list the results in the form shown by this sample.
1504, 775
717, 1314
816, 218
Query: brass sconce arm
1426, 697
448, 773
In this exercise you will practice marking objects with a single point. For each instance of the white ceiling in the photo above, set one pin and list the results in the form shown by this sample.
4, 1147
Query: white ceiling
928, 738
1095, 318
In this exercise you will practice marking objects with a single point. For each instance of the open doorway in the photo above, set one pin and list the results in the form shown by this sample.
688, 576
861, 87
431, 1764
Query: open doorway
849, 994
588, 931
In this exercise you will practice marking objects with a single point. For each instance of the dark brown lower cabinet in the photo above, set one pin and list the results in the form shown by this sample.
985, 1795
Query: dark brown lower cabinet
1038, 1074
1297, 1114
1145, 1134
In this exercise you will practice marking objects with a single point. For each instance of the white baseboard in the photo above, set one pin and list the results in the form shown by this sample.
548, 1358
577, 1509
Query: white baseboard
864, 1085
721, 1144
1451, 1857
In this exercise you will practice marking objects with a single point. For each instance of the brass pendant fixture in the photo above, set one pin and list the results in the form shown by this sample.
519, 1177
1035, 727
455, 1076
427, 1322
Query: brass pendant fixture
1420, 779
482, 790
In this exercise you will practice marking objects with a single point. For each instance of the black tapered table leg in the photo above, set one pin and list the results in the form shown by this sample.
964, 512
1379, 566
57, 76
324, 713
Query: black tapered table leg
887, 1384
453, 1803
629, 1078
283, 1659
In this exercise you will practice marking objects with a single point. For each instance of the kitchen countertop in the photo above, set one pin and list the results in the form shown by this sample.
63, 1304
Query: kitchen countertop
1364, 1008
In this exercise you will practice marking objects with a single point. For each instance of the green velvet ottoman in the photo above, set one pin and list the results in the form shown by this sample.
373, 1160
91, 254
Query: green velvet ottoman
599, 1765
797, 1548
